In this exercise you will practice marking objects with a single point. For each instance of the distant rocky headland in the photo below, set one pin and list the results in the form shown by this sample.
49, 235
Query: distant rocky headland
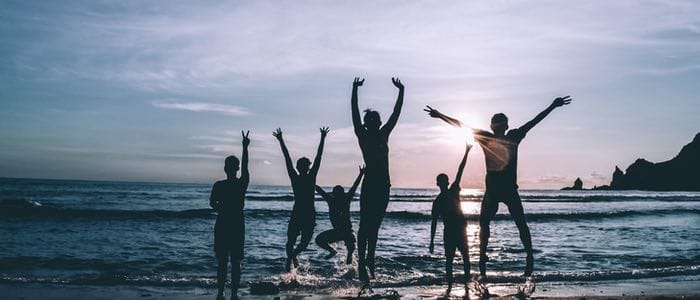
681, 173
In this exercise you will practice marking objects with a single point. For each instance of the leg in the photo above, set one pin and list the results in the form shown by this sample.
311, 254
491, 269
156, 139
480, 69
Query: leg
221, 273
292, 234
323, 240
362, 244
463, 247
515, 207
489, 207
350, 246
306, 235
372, 243
235, 276
450, 248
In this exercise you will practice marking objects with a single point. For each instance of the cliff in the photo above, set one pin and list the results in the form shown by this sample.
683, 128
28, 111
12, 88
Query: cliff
681, 173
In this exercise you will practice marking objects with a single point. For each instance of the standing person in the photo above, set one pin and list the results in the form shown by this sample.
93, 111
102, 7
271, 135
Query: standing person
448, 206
501, 154
227, 199
303, 219
339, 213
374, 196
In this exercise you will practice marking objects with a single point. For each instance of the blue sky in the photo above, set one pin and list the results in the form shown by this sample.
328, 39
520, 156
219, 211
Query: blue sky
159, 91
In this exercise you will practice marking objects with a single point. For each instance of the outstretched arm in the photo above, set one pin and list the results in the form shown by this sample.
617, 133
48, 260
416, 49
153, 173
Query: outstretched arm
245, 176
438, 115
460, 170
560, 101
433, 224
394, 118
319, 152
356, 122
351, 192
287, 160
321, 192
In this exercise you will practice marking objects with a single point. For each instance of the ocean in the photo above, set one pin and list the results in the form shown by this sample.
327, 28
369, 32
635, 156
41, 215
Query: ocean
161, 235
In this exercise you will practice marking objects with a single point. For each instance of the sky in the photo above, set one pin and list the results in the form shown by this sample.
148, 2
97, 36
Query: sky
159, 91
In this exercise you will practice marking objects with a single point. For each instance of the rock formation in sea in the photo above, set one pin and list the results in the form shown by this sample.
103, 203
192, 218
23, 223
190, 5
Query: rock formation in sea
578, 185
681, 173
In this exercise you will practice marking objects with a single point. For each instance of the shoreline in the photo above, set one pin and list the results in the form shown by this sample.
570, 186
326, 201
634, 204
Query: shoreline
678, 287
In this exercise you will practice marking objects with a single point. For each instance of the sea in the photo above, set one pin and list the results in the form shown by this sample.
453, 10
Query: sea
101, 233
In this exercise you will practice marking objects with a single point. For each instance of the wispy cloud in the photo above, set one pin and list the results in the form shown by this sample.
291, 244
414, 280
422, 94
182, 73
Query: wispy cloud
231, 110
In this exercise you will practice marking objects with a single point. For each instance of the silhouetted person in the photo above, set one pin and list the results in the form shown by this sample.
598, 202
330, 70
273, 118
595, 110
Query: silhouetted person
448, 206
227, 198
339, 212
501, 153
303, 218
374, 197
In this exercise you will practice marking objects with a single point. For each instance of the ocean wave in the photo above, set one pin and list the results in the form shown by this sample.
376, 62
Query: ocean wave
567, 216
31, 209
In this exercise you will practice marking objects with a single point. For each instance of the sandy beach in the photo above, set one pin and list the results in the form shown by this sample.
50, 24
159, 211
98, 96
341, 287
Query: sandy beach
678, 288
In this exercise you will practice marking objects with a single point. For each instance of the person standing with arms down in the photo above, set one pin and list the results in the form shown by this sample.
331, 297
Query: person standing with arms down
339, 212
448, 206
227, 199
374, 197
303, 219
501, 154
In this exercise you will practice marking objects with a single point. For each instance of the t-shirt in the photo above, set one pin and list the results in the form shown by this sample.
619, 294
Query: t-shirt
501, 153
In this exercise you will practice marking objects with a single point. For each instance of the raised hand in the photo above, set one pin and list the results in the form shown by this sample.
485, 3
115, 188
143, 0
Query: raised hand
469, 147
561, 101
397, 83
432, 112
362, 169
277, 134
324, 131
246, 140
358, 82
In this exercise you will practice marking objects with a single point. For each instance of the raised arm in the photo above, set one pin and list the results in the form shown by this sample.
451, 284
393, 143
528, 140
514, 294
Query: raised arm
356, 121
321, 192
319, 152
460, 170
438, 115
287, 160
433, 224
560, 101
394, 118
245, 176
351, 192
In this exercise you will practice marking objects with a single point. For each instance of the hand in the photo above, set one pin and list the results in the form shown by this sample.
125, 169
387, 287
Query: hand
246, 140
431, 248
278, 134
397, 83
561, 101
357, 82
362, 169
324, 131
432, 112
469, 147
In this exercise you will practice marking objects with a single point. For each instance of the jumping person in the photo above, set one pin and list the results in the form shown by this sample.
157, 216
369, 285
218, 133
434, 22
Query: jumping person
448, 206
227, 199
303, 219
339, 212
374, 198
501, 154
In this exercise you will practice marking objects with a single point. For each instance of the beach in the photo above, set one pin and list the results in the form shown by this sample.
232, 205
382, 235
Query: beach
122, 240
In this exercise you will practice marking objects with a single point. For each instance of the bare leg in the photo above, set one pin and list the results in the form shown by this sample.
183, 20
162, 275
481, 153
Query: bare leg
350, 245
372, 247
292, 233
235, 277
306, 235
449, 258
362, 244
221, 274
323, 240
488, 212
517, 212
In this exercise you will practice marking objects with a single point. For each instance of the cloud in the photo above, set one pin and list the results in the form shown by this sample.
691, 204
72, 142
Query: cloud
231, 110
